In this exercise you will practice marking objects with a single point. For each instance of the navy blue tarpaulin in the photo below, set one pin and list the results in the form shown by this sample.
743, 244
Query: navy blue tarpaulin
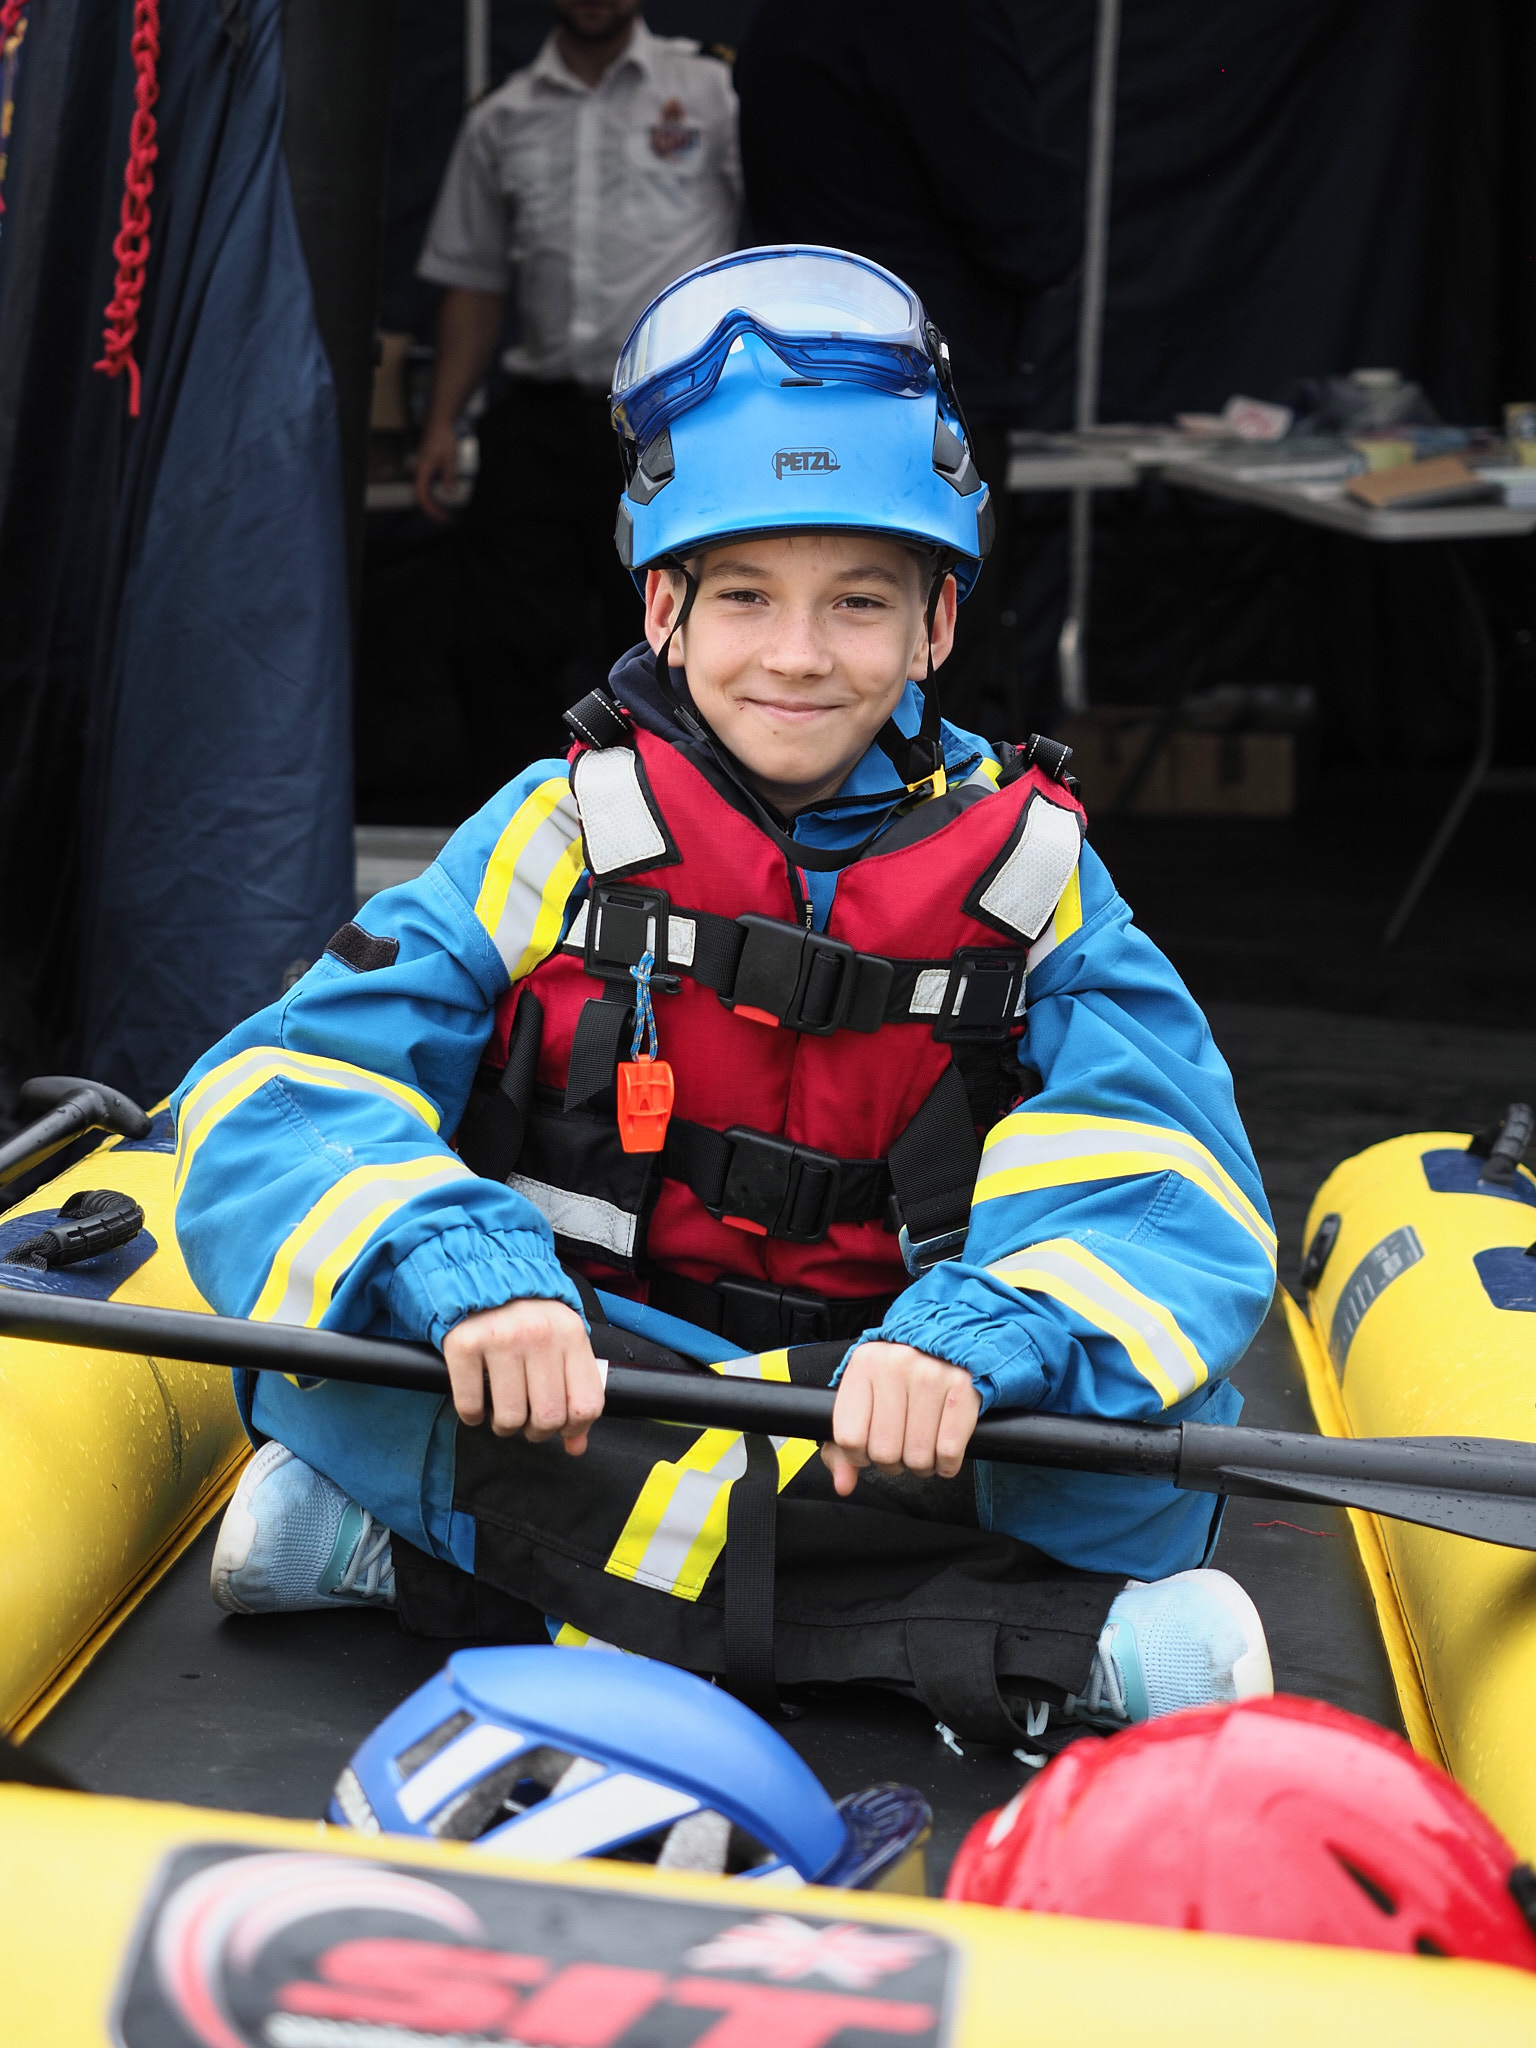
210, 845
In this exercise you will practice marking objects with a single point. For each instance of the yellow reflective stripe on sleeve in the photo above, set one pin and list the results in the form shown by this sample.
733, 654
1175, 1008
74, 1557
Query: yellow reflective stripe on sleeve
1037, 1149
232, 1083
311, 1259
530, 876
1066, 1272
1068, 914
676, 1529
1066, 918
986, 771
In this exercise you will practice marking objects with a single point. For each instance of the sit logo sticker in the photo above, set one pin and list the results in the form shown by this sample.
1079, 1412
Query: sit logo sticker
251, 1948
673, 136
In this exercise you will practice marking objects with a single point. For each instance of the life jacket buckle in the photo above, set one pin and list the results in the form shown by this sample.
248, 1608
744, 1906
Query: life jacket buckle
805, 981
918, 1255
984, 998
646, 1092
624, 923
760, 1316
777, 1189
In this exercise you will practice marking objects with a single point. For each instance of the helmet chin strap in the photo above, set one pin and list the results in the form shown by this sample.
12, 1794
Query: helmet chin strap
920, 759
673, 682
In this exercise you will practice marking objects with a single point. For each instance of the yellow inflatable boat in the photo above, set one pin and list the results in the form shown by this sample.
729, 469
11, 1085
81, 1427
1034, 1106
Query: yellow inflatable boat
116, 1916
1420, 1320
112, 1465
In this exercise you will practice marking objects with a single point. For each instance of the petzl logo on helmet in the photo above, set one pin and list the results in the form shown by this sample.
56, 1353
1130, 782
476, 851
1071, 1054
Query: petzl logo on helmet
797, 459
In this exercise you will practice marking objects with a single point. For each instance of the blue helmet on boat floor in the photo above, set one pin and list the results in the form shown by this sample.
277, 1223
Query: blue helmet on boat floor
549, 1754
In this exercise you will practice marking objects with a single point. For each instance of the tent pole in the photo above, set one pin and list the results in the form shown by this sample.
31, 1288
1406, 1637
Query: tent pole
1071, 648
477, 50
336, 60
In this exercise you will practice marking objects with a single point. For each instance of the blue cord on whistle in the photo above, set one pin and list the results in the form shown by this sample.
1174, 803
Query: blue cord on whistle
645, 1085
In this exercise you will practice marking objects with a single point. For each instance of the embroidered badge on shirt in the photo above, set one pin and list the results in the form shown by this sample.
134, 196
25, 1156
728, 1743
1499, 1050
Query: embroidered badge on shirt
672, 137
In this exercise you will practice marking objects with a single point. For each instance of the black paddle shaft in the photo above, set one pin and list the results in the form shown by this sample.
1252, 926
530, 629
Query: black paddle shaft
1484, 1488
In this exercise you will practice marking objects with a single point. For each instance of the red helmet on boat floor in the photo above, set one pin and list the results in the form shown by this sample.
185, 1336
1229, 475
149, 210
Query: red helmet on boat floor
1279, 1817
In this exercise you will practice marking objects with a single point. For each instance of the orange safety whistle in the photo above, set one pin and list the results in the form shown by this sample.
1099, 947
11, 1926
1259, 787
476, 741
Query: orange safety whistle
645, 1103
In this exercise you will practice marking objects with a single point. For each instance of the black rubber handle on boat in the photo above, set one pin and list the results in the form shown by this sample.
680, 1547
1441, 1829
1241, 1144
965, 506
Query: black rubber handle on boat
70, 1106
1480, 1487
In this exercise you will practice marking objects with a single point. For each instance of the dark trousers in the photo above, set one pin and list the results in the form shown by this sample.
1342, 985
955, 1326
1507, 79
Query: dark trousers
545, 607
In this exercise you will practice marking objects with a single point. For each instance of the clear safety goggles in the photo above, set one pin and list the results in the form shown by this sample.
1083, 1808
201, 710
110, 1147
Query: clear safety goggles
827, 315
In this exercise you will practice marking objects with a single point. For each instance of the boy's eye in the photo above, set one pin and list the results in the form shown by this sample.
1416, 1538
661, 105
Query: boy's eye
858, 602
742, 597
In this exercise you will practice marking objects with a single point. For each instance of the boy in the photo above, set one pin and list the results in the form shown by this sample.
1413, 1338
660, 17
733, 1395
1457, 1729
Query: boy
771, 866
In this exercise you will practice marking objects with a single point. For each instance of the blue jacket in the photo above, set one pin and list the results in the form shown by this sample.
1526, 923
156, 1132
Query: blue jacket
1120, 1256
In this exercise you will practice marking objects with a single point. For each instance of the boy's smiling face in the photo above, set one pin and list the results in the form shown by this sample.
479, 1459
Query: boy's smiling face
798, 647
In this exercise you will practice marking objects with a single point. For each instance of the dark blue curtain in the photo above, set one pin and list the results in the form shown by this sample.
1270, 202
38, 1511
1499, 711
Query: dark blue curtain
206, 832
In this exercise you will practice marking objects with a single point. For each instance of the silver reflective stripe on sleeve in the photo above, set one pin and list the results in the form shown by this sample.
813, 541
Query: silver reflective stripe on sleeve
312, 1259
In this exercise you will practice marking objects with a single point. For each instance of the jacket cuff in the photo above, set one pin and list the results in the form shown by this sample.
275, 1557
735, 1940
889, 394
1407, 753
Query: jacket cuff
460, 1271
1000, 1356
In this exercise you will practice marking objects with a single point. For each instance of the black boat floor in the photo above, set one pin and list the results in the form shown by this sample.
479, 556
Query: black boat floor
260, 1713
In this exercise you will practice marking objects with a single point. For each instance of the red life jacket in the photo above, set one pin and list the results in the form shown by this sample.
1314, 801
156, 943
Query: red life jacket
829, 1086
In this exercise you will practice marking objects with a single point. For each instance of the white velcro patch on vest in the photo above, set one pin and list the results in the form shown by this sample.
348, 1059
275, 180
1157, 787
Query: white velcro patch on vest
682, 935
929, 991
617, 822
1028, 885
585, 1218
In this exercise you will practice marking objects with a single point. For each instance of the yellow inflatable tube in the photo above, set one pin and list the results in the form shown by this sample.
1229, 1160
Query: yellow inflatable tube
99, 1899
109, 1465
1415, 1327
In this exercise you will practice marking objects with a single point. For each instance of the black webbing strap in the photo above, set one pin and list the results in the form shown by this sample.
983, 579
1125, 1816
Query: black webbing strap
495, 1119
954, 1668
789, 1191
751, 1522
935, 1161
809, 982
603, 1027
760, 1316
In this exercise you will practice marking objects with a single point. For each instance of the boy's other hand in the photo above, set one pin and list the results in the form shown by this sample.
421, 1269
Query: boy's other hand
537, 1358
900, 1411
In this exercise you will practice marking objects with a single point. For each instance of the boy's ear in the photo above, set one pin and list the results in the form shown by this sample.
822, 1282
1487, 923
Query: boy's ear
663, 597
943, 626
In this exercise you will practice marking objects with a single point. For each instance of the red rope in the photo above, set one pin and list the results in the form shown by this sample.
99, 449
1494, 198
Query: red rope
131, 244
11, 12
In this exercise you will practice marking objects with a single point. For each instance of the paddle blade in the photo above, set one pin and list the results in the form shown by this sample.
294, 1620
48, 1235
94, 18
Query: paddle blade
1479, 1487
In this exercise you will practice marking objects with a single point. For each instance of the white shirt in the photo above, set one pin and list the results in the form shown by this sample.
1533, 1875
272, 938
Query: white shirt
591, 197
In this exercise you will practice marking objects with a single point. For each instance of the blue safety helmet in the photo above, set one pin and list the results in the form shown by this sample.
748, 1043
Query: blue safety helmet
793, 390
547, 1754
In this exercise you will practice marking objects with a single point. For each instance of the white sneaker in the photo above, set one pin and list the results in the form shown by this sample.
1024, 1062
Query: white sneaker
1186, 1641
292, 1540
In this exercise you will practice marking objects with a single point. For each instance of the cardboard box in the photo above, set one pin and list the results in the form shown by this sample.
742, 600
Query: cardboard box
1195, 774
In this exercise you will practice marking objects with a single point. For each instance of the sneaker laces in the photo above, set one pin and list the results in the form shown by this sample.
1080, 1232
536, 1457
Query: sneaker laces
370, 1563
1103, 1698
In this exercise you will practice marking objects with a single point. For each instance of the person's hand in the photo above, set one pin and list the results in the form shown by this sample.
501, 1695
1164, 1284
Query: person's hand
537, 1358
437, 468
900, 1410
